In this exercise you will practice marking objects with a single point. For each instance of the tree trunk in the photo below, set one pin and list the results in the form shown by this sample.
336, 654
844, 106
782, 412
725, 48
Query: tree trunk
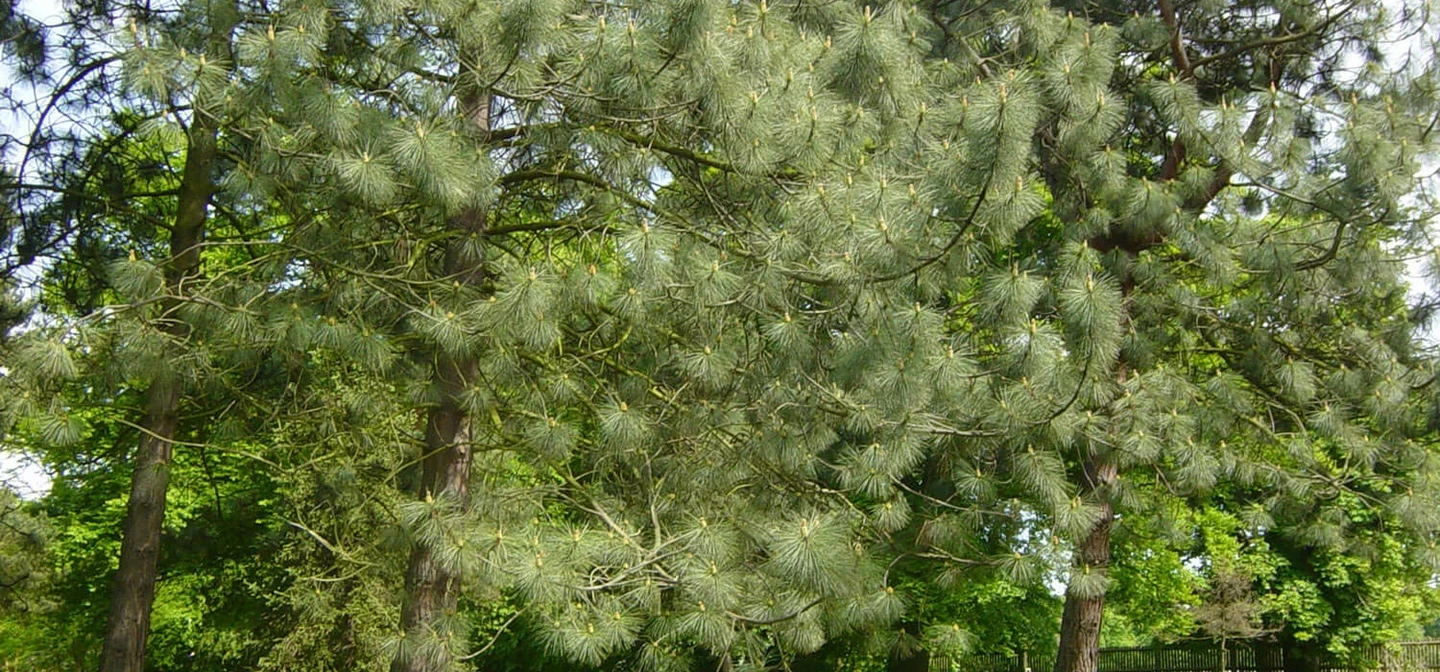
1080, 622
134, 589
432, 591
128, 624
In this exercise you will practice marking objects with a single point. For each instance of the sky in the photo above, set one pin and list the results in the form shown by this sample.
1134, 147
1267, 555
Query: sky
20, 472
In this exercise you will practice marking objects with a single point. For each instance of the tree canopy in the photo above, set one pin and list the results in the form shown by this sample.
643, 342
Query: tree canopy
691, 334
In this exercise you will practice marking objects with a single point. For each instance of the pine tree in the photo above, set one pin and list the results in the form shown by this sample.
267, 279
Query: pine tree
138, 321
609, 330
908, 270
1196, 325
135, 581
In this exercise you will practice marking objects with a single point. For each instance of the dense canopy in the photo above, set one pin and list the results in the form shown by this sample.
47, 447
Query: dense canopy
690, 334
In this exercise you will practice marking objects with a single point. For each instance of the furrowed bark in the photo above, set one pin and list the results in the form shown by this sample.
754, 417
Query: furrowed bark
1081, 620
432, 590
134, 587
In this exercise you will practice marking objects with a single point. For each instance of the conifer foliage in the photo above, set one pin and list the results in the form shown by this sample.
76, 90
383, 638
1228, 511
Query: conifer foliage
676, 332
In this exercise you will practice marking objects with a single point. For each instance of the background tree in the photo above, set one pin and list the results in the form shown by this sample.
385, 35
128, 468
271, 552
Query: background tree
124, 190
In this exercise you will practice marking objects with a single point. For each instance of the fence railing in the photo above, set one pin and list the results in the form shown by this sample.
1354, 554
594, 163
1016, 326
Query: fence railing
1234, 657
1404, 656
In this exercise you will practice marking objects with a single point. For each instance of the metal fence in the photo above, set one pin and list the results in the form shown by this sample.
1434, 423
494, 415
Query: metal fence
1234, 657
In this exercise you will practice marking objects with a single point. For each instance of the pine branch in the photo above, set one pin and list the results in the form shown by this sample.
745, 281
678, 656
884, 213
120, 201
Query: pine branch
54, 99
778, 619
963, 227
574, 223
496, 637
1178, 53
1329, 254
1272, 41
1176, 156
678, 151
1259, 123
